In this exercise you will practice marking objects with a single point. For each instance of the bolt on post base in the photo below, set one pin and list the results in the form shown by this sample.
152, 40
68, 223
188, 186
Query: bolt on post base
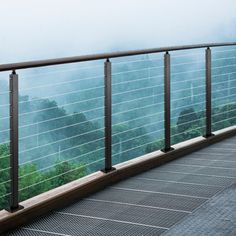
208, 135
165, 150
108, 170
14, 209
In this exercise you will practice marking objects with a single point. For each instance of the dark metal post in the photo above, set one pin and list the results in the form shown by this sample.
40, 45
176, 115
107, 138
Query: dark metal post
14, 197
108, 116
208, 94
167, 103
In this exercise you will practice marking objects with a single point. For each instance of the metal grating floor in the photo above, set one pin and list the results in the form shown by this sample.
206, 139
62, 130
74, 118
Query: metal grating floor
153, 203
216, 217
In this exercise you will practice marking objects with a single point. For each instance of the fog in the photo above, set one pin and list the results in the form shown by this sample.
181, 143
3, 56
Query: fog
55, 28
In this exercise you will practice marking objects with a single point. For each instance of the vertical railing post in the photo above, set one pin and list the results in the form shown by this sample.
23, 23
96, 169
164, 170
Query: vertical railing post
208, 94
167, 103
108, 116
14, 145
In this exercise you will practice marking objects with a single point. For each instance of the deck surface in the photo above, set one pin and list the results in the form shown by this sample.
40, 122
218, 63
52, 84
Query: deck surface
194, 195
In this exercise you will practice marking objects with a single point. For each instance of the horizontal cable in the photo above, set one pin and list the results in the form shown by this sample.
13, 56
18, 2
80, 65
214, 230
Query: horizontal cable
63, 127
134, 61
64, 139
223, 97
8, 168
6, 142
187, 114
216, 91
137, 118
184, 72
140, 79
136, 147
48, 120
222, 105
190, 113
5, 182
180, 90
187, 55
224, 58
187, 131
5, 130
32, 112
5, 195
58, 163
63, 70
5, 105
219, 67
156, 131
139, 127
4, 118
138, 108
7, 92
199, 119
187, 63
61, 151
188, 80
232, 50
2, 157
131, 71
135, 90
62, 105
189, 105
61, 94
80, 167
179, 99
64, 82
223, 82
221, 113
224, 120
134, 100
218, 75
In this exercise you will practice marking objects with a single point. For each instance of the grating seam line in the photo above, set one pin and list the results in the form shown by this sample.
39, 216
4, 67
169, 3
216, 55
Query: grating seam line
181, 178
172, 194
123, 212
172, 188
111, 220
188, 173
178, 182
201, 170
150, 199
137, 205
212, 153
44, 231
204, 159
209, 163
226, 149
212, 167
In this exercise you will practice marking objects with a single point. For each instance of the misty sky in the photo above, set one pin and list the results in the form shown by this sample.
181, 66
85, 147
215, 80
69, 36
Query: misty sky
37, 29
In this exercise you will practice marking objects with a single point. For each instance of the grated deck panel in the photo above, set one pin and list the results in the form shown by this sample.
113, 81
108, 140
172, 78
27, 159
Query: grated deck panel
151, 203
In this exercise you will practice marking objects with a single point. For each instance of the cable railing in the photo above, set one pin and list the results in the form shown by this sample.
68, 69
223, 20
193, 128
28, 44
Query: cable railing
60, 125
223, 94
188, 93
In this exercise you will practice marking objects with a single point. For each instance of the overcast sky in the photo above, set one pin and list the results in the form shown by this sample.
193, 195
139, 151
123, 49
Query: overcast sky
37, 29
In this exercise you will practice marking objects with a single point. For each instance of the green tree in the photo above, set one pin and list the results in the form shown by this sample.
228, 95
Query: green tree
187, 119
4, 175
157, 145
63, 173
29, 177
224, 116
